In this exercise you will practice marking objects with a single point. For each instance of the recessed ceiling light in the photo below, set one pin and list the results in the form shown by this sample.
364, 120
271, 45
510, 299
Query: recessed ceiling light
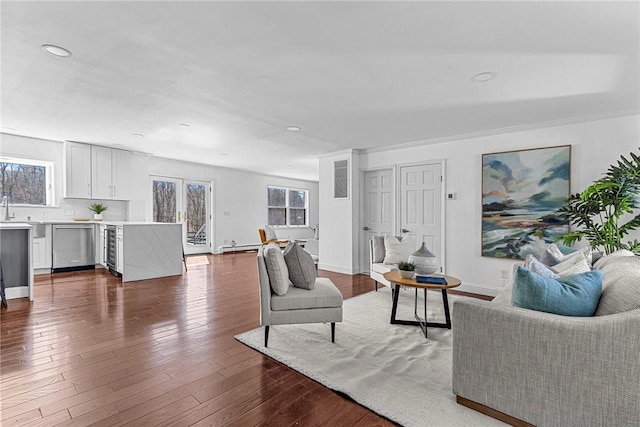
224, 154
139, 135
185, 125
293, 129
56, 50
483, 77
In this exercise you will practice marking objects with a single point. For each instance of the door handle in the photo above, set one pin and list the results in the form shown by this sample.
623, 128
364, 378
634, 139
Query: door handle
366, 228
404, 230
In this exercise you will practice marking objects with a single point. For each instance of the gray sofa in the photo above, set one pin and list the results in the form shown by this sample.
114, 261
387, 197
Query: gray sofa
551, 370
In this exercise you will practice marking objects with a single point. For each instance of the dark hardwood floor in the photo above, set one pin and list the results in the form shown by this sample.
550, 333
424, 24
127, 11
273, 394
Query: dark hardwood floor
92, 351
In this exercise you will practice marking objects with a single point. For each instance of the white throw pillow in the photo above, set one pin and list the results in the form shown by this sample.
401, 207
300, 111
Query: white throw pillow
532, 264
575, 264
276, 269
270, 233
553, 255
397, 250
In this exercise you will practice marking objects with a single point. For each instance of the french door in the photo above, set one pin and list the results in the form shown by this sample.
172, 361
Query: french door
189, 203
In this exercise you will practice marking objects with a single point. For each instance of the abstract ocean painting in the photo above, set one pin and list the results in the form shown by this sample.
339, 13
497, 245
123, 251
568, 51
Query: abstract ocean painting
521, 191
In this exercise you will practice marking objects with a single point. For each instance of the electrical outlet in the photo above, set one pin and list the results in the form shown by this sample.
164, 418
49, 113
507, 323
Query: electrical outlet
226, 242
44, 214
69, 212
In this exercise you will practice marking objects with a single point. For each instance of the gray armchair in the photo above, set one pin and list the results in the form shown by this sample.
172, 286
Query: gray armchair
322, 304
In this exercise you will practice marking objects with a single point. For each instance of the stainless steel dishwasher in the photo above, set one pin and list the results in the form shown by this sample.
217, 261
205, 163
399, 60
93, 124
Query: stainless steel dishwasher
73, 247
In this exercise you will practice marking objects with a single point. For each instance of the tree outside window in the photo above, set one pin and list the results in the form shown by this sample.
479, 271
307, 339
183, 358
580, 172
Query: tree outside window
287, 206
25, 182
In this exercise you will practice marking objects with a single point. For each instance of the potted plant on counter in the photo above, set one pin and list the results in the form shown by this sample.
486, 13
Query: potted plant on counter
406, 269
97, 209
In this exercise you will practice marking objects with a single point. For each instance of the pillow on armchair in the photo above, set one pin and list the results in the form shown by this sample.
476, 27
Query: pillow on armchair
398, 249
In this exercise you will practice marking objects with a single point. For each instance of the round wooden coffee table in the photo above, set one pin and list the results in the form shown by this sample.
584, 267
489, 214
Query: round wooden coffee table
397, 280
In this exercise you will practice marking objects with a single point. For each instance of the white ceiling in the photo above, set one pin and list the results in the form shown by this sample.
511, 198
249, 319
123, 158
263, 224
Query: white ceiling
349, 74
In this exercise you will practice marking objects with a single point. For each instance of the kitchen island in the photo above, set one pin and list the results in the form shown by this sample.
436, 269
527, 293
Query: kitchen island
143, 250
16, 259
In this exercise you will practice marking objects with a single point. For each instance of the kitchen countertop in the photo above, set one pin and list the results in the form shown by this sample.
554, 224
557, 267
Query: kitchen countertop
107, 222
14, 225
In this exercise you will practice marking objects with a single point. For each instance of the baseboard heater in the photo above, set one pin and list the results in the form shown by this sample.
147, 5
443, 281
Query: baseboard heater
239, 248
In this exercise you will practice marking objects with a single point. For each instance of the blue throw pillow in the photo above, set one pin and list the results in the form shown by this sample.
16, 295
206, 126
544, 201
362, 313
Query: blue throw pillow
574, 295
566, 250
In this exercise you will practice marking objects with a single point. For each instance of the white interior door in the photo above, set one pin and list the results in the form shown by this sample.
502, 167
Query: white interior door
421, 206
186, 202
378, 210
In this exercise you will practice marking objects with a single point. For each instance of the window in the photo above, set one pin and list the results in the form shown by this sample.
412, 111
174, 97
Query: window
287, 206
26, 182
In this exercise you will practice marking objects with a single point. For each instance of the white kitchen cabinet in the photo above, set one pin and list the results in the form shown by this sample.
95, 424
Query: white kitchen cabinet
41, 247
110, 173
120, 251
96, 172
77, 166
121, 174
101, 187
40, 253
101, 245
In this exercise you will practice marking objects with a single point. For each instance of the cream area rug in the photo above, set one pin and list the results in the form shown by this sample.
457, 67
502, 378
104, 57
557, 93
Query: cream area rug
390, 369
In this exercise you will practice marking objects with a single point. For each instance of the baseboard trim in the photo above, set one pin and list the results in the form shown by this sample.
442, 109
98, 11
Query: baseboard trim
501, 416
478, 289
17, 292
337, 269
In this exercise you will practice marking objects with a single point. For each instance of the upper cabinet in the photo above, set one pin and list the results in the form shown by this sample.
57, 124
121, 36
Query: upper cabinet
108, 171
77, 170
121, 174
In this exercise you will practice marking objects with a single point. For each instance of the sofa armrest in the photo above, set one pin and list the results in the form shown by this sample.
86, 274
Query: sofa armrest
547, 369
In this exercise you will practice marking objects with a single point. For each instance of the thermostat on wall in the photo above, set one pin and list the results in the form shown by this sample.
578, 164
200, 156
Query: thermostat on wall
451, 196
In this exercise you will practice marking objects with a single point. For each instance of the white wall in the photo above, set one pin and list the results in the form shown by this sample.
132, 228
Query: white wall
240, 202
339, 225
595, 146
240, 199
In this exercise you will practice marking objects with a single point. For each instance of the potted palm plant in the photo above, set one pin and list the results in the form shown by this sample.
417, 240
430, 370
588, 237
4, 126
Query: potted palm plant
607, 211
97, 209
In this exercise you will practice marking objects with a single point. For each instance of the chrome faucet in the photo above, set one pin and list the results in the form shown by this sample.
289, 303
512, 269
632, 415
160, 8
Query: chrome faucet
5, 204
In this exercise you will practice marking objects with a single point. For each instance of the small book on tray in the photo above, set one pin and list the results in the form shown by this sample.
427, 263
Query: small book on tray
431, 279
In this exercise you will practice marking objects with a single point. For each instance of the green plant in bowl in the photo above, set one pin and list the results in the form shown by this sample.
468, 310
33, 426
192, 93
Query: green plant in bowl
406, 266
97, 208
406, 269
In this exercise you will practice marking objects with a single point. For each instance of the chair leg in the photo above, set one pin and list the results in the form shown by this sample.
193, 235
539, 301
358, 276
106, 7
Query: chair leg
376, 286
333, 331
266, 335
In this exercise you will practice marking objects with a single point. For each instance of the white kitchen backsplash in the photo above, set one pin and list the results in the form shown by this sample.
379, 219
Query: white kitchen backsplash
70, 209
